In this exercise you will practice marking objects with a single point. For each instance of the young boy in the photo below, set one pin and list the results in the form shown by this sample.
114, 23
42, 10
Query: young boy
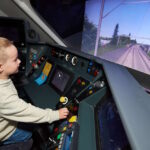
12, 108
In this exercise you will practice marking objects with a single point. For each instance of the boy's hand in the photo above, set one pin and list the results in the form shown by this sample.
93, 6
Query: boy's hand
63, 113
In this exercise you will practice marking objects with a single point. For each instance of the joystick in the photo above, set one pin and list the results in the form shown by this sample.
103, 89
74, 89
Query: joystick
63, 100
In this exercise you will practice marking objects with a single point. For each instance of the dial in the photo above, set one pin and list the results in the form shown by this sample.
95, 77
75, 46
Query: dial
67, 57
74, 60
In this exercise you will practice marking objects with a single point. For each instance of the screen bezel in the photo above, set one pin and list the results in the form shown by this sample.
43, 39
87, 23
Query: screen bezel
69, 73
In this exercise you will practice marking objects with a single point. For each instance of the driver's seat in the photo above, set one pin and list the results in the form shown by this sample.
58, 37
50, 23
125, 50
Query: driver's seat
18, 146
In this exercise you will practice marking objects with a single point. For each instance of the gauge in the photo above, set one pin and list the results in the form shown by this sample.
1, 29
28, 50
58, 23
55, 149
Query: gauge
74, 60
67, 57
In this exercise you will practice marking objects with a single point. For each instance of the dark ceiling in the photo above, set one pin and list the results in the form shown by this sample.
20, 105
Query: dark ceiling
65, 16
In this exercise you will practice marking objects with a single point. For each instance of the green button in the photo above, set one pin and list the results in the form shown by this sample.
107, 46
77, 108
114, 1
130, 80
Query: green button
58, 136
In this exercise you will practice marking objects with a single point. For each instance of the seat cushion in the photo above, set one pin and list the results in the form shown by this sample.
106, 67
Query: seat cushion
18, 146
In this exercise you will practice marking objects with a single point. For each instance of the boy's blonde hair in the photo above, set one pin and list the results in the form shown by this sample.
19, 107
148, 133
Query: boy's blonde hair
4, 43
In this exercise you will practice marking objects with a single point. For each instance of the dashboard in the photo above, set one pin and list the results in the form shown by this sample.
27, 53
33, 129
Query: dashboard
96, 92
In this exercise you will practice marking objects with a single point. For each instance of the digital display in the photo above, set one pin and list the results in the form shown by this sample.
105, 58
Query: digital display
60, 79
14, 30
112, 134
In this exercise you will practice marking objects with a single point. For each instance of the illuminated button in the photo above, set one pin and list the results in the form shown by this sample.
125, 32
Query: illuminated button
36, 66
61, 138
89, 70
33, 64
23, 68
73, 119
95, 73
90, 92
59, 146
58, 136
75, 108
39, 62
82, 83
65, 128
70, 125
60, 142
78, 81
34, 57
56, 129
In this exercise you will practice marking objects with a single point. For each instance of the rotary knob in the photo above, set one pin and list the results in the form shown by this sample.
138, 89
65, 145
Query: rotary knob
74, 60
67, 57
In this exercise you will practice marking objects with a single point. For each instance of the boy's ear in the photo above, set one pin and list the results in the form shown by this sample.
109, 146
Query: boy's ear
1, 67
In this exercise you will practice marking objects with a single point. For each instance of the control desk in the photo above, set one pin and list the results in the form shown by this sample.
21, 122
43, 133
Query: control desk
92, 89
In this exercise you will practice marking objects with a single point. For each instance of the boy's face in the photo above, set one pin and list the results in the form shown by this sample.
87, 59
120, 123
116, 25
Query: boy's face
12, 62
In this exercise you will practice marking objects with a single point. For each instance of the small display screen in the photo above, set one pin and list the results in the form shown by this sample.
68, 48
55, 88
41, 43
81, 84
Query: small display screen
60, 79
111, 132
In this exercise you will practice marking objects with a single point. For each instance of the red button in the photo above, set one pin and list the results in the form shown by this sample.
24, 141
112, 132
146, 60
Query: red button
78, 81
39, 62
33, 65
70, 125
56, 129
95, 73
75, 108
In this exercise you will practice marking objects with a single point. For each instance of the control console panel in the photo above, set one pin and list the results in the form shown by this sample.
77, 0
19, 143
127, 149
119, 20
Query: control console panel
66, 80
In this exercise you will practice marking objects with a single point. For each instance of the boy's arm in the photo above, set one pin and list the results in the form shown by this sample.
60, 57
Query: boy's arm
14, 108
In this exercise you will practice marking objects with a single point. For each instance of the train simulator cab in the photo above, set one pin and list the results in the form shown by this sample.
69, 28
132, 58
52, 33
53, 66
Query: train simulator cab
108, 103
